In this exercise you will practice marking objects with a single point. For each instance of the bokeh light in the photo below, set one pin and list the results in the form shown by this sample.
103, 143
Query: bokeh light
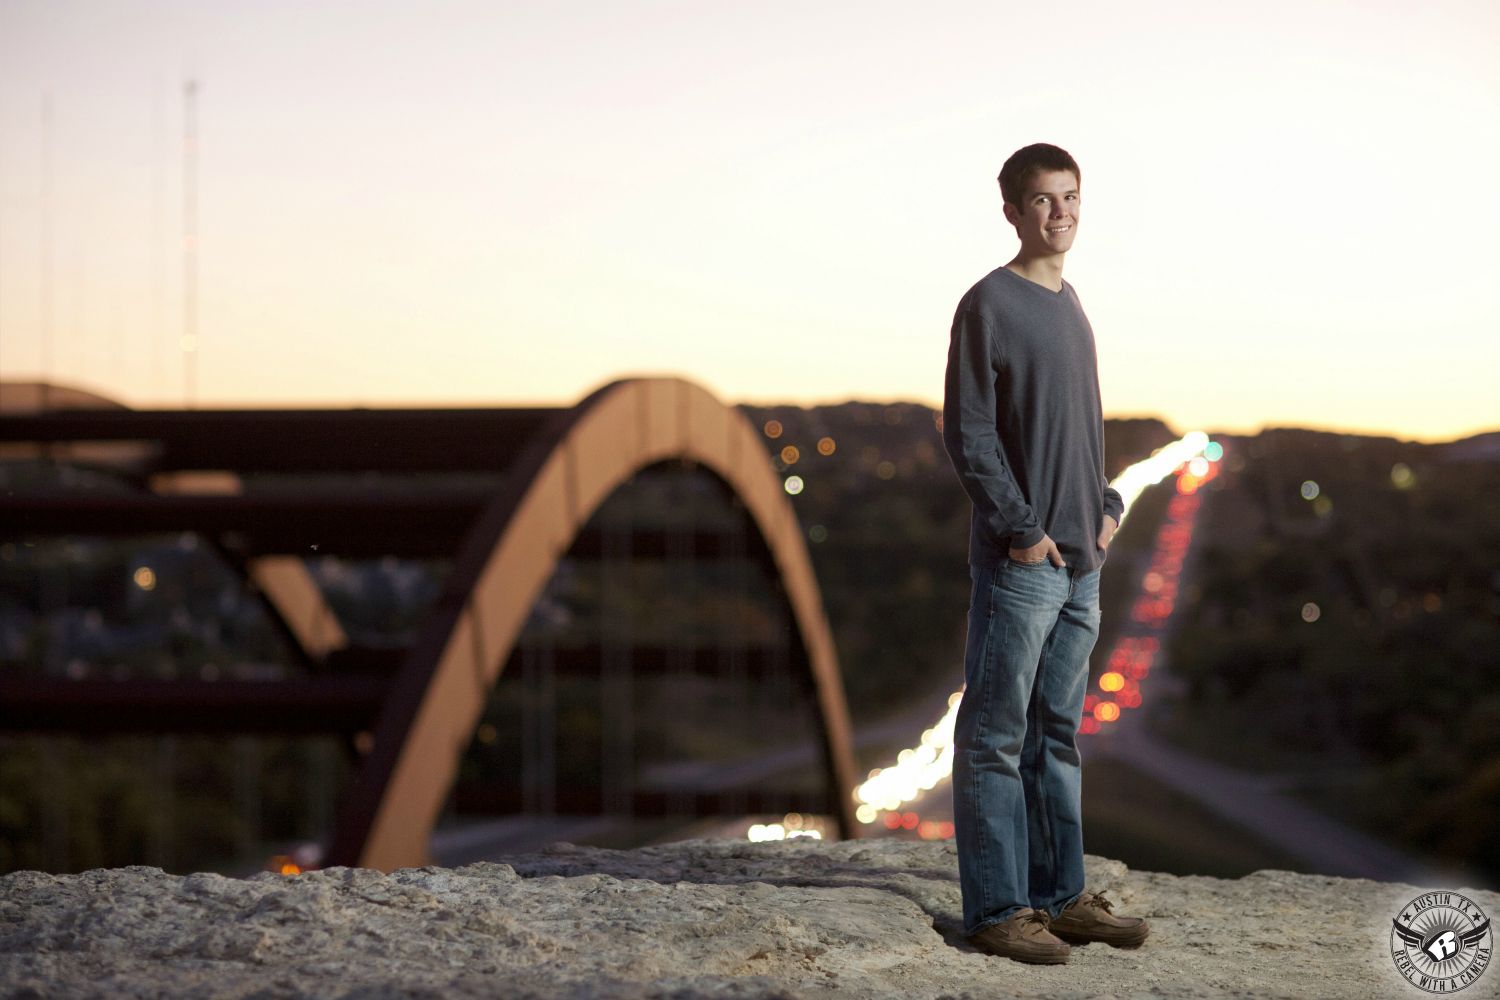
792, 825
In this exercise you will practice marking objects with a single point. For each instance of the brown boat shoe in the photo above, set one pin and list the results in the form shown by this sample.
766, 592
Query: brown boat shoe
1024, 937
1088, 918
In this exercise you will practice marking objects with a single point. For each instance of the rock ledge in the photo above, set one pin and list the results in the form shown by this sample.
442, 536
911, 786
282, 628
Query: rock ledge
698, 918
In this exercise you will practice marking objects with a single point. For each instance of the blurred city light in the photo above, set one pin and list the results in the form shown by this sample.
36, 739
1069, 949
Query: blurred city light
1163, 462
792, 825
916, 770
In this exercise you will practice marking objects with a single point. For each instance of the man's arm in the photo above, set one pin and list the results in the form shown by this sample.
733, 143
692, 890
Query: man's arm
970, 439
1114, 504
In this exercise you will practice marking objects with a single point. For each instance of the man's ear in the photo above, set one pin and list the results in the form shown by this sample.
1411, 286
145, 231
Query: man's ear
1011, 215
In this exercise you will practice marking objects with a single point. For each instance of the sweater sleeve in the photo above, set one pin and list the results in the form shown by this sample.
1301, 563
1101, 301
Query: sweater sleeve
970, 438
1114, 504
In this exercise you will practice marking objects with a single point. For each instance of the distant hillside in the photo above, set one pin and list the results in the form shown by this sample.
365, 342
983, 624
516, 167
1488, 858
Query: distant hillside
1341, 619
1479, 448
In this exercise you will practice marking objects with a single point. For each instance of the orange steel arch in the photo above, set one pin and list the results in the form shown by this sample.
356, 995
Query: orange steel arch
436, 698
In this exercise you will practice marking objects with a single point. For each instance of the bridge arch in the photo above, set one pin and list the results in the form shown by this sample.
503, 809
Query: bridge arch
569, 468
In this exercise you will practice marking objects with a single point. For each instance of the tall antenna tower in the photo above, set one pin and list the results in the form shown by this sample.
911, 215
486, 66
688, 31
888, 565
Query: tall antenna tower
46, 248
160, 345
190, 241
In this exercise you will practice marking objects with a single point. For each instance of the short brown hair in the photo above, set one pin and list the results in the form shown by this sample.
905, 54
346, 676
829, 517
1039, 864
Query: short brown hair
1028, 161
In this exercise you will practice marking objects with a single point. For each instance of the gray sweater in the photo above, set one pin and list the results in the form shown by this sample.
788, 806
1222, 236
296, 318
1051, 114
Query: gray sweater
1022, 421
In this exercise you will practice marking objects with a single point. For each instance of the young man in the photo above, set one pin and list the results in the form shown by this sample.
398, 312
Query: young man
1023, 426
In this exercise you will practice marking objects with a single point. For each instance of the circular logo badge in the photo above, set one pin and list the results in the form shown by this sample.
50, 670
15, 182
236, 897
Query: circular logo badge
1441, 942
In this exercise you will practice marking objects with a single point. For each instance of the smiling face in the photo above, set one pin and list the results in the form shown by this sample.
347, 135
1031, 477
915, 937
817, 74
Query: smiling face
1047, 218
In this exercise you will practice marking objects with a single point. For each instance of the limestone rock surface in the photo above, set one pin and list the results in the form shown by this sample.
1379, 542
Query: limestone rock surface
698, 918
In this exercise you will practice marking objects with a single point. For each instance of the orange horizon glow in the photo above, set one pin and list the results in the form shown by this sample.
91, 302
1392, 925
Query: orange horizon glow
404, 403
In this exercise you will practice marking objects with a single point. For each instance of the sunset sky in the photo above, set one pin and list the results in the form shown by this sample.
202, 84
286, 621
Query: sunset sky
1289, 210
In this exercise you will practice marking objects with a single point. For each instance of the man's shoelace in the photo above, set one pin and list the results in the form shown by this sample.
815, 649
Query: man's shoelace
1097, 899
1037, 917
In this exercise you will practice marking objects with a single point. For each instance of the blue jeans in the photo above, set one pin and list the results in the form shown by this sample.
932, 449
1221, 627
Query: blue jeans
1017, 781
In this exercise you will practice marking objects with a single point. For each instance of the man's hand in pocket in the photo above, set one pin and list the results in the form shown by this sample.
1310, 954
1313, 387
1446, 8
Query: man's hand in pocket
1108, 531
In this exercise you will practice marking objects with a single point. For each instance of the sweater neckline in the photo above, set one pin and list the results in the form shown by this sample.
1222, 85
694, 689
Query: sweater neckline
1036, 284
